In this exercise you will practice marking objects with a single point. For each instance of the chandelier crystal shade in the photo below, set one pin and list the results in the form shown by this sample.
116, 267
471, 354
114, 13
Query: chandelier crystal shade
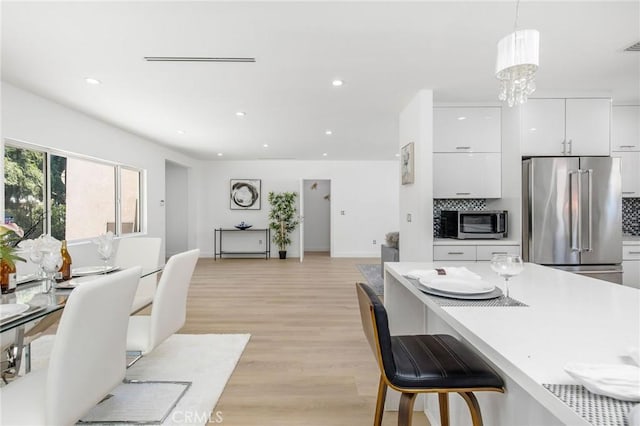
516, 65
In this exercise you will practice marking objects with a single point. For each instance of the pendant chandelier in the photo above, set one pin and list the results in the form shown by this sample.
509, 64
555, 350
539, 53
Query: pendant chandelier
517, 63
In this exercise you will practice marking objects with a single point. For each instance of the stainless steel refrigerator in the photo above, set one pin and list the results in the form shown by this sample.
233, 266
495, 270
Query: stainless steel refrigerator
572, 214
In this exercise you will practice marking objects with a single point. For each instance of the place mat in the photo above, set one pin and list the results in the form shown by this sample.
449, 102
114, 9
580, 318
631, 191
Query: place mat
139, 402
598, 410
502, 301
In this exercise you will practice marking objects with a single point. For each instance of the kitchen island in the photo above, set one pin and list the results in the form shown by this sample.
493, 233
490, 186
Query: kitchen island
569, 318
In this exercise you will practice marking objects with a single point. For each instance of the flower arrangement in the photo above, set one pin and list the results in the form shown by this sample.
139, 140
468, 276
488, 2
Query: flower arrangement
10, 235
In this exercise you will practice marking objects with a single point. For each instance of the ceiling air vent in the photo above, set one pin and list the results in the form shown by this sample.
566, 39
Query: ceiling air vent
195, 59
633, 48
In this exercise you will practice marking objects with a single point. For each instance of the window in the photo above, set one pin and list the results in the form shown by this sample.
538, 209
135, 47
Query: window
83, 194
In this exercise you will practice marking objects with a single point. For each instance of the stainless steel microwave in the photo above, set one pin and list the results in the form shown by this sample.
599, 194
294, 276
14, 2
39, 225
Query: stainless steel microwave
465, 224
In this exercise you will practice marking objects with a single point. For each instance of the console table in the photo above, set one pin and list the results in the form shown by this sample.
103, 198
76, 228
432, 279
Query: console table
217, 242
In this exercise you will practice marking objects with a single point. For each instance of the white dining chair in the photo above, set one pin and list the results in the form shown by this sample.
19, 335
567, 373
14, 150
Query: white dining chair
87, 359
145, 252
169, 310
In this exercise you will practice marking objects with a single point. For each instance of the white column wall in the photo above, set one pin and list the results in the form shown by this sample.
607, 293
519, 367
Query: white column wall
416, 199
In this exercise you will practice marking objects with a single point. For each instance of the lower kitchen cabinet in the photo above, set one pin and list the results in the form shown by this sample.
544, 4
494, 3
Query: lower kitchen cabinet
469, 252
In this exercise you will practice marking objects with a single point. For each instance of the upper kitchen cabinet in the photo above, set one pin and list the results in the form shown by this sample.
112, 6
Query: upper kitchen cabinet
630, 165
555, 127
466, 129
476, 175
625, 128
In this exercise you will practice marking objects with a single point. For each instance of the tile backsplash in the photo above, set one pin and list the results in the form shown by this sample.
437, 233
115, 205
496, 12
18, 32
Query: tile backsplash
630, 216
630, 212
454, 204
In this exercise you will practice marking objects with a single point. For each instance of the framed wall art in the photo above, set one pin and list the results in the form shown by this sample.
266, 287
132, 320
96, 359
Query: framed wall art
407, 164
245, 194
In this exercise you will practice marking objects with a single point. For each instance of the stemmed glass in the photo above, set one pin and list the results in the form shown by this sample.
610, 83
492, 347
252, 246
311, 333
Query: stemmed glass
507, 266
51, 263
105, 250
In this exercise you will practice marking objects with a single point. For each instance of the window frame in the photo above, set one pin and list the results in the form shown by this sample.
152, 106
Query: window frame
118, 167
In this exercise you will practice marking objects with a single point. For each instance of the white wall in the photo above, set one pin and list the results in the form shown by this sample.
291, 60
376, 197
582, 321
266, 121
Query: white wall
32, 119
176, 208
317, 215
416, 199
366, 191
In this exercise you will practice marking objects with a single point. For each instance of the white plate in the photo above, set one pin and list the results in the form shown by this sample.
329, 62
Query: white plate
619, 381
73, 283
92, 270
459, 285
11, 309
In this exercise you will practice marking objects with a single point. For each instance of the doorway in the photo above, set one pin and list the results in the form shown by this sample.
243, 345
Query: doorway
316, 212
176, 178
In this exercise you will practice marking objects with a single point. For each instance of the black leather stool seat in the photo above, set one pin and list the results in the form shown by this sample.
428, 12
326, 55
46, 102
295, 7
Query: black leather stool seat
438, 361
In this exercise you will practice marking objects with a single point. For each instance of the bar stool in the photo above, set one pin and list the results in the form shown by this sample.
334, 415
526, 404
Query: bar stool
436, 363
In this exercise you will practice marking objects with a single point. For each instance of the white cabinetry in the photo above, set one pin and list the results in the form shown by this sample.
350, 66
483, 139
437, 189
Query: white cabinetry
630, 164
631, 265
467, 161
625, 128
555, 127
466, 129
471, 251
475, 175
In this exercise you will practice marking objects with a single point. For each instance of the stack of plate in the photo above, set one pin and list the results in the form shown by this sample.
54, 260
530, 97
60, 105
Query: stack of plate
459, 288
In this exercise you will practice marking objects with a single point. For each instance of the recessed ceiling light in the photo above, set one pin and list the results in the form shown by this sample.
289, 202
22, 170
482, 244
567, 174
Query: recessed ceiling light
241, 113
181, 132
337, 83
90, 80
328, 132
462, 118
219, 154
266, 145
324, 154
533, 129
397, 154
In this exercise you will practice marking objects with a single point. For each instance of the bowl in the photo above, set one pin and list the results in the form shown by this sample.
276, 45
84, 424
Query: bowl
243, 227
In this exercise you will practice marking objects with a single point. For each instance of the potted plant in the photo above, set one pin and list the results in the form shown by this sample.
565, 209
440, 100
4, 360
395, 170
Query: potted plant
282, 219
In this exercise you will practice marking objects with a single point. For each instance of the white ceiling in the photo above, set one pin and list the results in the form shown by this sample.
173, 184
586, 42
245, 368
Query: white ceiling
384, 51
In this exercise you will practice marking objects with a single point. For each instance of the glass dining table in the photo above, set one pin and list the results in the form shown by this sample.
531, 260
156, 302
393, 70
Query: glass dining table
35, 305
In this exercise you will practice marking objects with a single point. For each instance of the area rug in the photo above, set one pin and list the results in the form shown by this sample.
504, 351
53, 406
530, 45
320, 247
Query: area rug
205, 360
373, 274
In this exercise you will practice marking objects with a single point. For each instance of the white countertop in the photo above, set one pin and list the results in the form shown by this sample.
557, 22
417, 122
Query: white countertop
455, 242
570, 318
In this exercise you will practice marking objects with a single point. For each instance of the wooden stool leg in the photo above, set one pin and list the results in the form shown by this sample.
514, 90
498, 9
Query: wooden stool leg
382, 395
405, 411
474, 408
443, 398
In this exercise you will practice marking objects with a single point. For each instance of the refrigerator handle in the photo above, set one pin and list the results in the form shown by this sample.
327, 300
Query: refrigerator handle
590, 201
575, 204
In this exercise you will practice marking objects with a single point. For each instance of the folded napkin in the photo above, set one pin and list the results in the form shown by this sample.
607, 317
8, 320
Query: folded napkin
633, 416
619, 381
426, 275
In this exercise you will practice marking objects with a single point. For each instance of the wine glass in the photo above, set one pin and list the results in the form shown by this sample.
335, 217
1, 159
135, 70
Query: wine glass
35, 255
105, 250
507, 266
51, 263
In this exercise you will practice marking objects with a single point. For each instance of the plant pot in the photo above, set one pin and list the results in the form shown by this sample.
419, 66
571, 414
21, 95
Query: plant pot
283, 254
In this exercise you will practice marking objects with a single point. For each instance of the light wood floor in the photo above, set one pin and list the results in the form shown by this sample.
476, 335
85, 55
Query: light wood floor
308, 362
